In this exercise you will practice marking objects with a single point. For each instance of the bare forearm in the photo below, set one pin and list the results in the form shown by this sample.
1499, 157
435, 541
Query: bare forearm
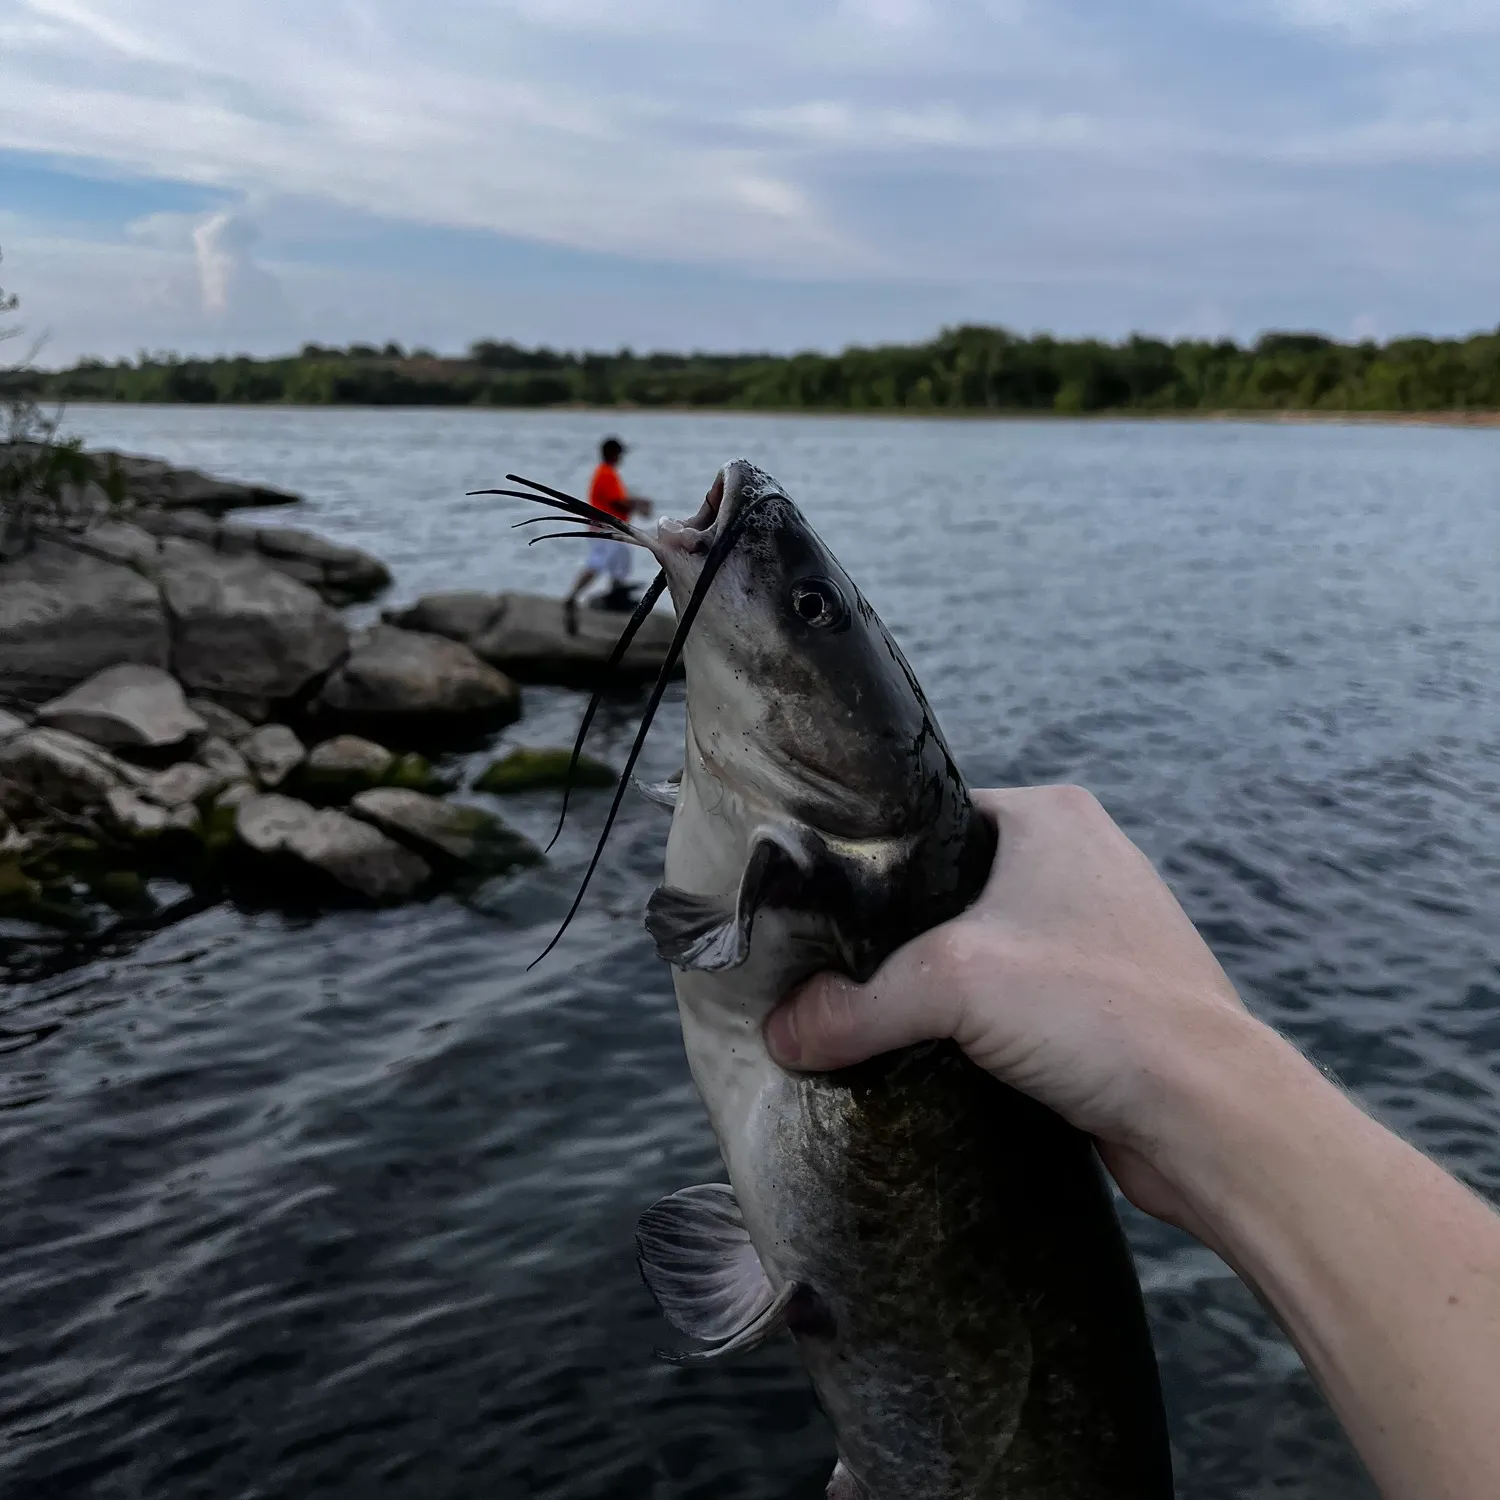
1383, 1270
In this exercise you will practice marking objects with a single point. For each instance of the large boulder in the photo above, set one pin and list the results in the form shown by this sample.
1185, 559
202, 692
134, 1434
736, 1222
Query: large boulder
66, 614
402, 686
50, 769
330, 849
241, 631
536, 639
461, 614
446, 833
125, 707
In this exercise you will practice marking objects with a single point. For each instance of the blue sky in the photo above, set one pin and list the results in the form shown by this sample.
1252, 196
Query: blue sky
241, 175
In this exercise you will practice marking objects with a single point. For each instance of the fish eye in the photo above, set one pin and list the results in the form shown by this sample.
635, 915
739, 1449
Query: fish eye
819, 603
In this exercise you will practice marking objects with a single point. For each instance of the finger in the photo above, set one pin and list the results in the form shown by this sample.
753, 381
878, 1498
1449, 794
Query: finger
831, 1022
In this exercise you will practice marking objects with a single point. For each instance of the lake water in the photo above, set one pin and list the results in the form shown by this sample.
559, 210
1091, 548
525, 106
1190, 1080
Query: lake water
343, 1208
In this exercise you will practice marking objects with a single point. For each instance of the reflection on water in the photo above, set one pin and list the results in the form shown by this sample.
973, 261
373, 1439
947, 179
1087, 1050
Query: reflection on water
343, 1208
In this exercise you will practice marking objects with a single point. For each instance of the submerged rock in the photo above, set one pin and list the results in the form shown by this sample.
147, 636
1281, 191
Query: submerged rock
65, 615
524, 770
401, 685
338, 768
241, 630
129, 706
445, 832
272, 752
330, 848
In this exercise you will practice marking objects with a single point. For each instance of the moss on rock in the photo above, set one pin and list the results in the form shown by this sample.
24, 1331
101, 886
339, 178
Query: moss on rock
525, 770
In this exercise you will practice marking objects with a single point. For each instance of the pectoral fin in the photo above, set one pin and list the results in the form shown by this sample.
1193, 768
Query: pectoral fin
713, 932
842, 1485
662, 793
697, 1260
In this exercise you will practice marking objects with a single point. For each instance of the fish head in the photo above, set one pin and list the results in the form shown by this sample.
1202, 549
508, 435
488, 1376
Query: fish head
796, 693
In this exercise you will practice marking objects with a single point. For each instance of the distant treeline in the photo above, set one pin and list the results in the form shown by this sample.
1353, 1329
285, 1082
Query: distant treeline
969, 369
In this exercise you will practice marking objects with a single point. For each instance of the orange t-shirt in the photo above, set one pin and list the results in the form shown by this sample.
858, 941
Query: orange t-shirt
607, 492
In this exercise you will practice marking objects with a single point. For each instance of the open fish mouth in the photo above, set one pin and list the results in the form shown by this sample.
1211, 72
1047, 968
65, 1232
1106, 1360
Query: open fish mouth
738, 488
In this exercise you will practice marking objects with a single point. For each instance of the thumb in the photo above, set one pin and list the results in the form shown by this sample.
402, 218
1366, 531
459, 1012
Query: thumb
832, 1022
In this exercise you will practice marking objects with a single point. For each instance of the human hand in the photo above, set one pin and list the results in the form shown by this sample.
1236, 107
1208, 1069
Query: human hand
1075, 977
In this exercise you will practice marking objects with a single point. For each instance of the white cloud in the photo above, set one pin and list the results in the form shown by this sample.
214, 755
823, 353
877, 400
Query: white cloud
1008, 143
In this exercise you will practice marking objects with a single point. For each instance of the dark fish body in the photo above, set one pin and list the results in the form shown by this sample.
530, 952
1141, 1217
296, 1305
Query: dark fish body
944, 1251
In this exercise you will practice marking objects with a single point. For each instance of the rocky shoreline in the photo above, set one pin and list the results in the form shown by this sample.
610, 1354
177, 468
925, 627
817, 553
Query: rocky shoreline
182, 696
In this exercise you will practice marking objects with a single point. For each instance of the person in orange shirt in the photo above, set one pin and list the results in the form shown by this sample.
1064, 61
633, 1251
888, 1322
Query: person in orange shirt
607, 492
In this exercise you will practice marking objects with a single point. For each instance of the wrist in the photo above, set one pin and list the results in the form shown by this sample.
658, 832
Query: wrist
1237, 1102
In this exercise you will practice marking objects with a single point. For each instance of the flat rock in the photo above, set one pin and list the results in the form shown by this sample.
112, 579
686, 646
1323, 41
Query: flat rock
221, 721
154, 482
129, 706
340, 574
65, 615
349, 853
59, 770
338, 768
185, 783
273, 752
446, 832
135, 816
241, 629
461, 615
524, 770
404, 685
530, 640
120, 542
235, 793
220, 757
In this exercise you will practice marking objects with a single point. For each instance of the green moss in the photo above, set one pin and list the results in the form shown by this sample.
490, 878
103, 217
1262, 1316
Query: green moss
413, 772
525, 770
122, 889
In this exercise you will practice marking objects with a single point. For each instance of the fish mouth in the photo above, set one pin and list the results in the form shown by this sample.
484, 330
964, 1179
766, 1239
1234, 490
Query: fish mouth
738, 485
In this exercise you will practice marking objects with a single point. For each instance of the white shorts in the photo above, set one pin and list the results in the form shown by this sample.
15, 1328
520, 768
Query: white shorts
610, 558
